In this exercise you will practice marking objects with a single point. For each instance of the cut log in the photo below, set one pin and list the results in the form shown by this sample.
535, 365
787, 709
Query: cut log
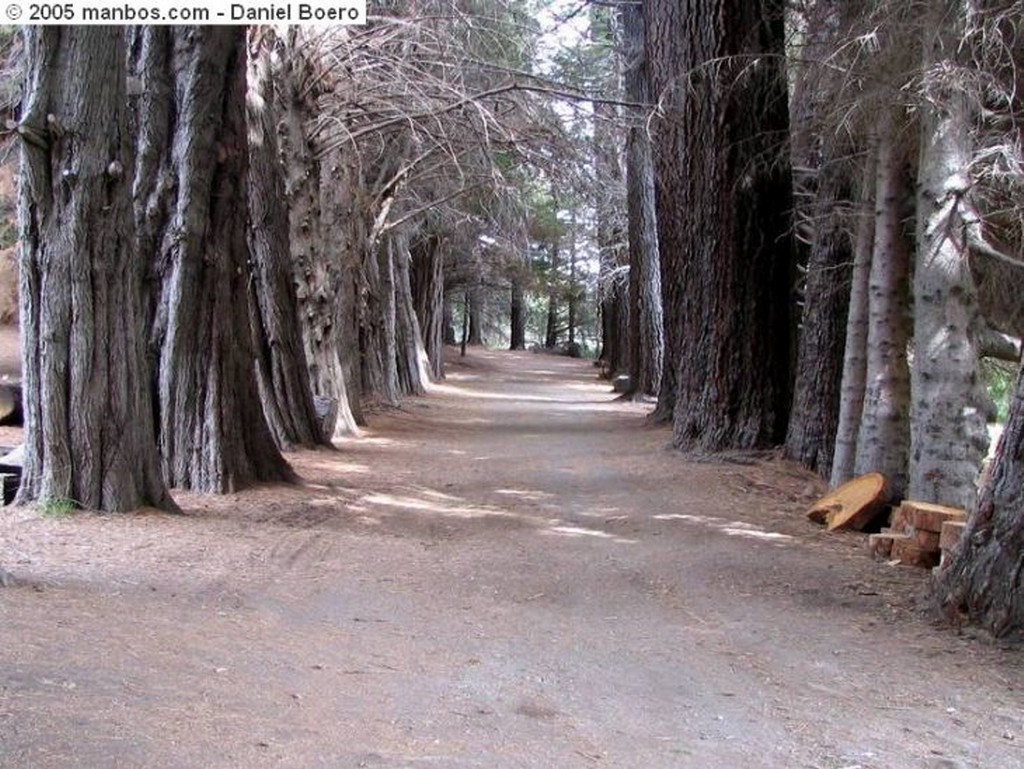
950, 535
909, 553
924, 516
898, 520
929, 540
854, 504
880, 545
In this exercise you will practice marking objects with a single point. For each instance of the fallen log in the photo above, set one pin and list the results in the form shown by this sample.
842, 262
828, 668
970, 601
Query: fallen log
854, 504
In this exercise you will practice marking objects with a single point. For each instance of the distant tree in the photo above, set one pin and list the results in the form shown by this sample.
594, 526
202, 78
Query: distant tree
89, 435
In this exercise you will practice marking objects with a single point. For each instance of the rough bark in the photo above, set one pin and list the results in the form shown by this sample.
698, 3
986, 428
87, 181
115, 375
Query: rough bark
851, 392
724, 197
377, 310
317, 275
432, 307
282, 372
212, 433
336, 286
476, 296
89, 431
883, 438
949, 436
551, 327
810, 439
517, 312
984, 582
646, 324
413, 362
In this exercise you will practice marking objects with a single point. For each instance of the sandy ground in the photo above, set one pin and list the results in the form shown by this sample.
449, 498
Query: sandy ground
511, 572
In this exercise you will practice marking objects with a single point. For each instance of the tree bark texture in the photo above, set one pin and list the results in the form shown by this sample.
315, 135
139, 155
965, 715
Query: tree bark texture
281, 368
984, 583
432, 307
851, 391
212, 433
949, 434
476, 296
810, 439
646, 324
377, 313
517, 313
883, 439
89, 430
344, 226
413, 362
724, 198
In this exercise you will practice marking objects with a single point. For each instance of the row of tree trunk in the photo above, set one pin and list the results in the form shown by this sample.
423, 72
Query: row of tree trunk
188, 312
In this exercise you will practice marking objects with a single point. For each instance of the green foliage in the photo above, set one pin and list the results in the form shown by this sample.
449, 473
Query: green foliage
1000, 378
57, 507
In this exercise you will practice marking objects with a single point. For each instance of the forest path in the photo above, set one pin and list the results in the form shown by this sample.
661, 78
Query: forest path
512, 572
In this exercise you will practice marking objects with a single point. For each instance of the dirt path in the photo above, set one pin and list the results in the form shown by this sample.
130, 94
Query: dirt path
511, 573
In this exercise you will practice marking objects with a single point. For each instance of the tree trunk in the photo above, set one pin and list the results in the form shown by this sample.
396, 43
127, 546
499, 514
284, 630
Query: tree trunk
949, 436
724, 197
983, 582
282, 373
551, 328
851, 392
447, 317
810, 439
476, 315
317, 274
213, 436
89, 431
646, 325
343, 240
432, 307
377, 344
518, 316
884, 436
413, 362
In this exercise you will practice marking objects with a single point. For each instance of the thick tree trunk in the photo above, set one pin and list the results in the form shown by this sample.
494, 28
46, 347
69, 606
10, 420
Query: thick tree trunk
983, 583
282, 373
89, 431
212, 433
646, 325
724, 198
883, 439
810, 439
432, 307
851, 392
949, 435
316, 272
517, 312
476, 315
342, 241
447, 318
377, 343
413, 362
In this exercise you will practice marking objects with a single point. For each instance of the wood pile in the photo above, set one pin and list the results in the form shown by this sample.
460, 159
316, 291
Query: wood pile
919, 534
854, 504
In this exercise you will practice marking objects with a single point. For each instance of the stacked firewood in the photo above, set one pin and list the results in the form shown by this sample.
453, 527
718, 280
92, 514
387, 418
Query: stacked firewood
919, 533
